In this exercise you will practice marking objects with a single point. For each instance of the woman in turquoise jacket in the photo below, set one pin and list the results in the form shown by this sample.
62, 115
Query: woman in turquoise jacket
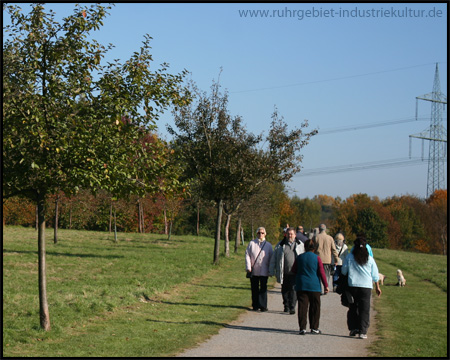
362, 272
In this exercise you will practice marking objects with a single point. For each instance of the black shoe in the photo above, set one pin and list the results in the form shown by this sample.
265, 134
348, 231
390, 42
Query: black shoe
354, 332
286, 310
316, 331
264, 309
302, 332
255, 309
292, 312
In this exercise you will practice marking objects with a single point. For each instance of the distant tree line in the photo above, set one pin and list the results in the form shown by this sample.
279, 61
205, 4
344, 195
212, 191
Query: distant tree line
400, 222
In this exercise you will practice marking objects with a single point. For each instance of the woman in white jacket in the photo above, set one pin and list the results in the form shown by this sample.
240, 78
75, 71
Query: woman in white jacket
342, 250
257, 259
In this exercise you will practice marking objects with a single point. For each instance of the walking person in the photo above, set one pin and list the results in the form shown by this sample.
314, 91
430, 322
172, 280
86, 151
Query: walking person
257, 259
369, 248
326, 250
342, 249
300, 235
362, 272
285, 253
310, 274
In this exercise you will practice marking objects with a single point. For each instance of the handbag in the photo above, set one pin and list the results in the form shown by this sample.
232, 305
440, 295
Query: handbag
343, 290
249, 273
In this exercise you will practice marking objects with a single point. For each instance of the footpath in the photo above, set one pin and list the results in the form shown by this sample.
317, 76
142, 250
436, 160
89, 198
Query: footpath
275, 334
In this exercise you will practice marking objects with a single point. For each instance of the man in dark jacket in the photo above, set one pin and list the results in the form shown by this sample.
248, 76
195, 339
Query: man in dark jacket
300, 235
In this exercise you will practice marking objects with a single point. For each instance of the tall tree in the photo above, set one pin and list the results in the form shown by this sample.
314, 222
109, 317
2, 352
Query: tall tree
66, 115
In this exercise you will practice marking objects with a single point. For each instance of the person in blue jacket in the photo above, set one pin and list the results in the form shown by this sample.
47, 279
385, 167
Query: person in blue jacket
309, 271
362, 272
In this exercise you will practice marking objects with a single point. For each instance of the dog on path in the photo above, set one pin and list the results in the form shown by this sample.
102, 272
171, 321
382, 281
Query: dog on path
400, 278
382, 277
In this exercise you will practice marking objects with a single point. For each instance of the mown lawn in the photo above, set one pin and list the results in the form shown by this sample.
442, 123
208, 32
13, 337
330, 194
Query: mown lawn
412, 320
148, 297
142, 296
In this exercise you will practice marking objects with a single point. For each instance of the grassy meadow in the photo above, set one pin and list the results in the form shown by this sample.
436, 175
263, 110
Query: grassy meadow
145, 296
411, 320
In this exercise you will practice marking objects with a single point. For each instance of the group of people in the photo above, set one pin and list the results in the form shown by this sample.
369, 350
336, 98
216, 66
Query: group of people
306, 267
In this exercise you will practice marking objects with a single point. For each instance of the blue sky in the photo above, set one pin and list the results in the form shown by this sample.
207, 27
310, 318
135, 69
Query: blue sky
338, 71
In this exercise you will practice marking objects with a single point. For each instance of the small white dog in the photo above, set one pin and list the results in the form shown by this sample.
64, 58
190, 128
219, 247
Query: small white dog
382, 277
401, 279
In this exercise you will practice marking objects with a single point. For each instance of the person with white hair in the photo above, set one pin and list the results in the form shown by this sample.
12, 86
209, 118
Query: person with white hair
257, 259
342, 250
326, 249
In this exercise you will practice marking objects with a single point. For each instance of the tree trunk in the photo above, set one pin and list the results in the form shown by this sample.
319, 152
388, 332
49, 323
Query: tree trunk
43, 304
166, 232
198, 218
37, 219
238, 235
110, 216
217, 235
55, 233
115, 226
170, 226
70, 215
227, 235
142, 218
139, 216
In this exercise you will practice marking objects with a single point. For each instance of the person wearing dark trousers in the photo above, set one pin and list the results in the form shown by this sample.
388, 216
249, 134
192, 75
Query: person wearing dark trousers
310, 274
259, 292
326, 249
257, 259
362, 272
281, 263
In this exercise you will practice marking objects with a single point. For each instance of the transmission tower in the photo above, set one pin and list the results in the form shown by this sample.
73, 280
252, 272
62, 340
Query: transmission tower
436, 135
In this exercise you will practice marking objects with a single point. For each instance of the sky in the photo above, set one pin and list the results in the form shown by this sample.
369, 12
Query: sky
353, 70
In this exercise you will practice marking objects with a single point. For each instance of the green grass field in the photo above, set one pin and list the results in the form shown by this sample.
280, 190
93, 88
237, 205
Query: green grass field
146, 297
142, 296
411, 320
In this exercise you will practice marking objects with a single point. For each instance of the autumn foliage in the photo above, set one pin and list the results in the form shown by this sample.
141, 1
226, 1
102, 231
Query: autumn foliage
402, 223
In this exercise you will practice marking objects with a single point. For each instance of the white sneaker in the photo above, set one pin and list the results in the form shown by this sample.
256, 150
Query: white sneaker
362, 336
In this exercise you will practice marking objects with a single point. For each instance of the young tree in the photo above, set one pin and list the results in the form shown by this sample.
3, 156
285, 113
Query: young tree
225, 158
65, 113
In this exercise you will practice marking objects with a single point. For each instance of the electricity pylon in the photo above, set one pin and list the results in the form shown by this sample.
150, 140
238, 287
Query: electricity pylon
436, 135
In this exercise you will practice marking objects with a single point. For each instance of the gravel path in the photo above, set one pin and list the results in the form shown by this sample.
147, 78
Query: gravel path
274, 333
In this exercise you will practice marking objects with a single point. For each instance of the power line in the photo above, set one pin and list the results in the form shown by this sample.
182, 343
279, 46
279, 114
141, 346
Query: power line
368, 126
401, 162
326, 80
